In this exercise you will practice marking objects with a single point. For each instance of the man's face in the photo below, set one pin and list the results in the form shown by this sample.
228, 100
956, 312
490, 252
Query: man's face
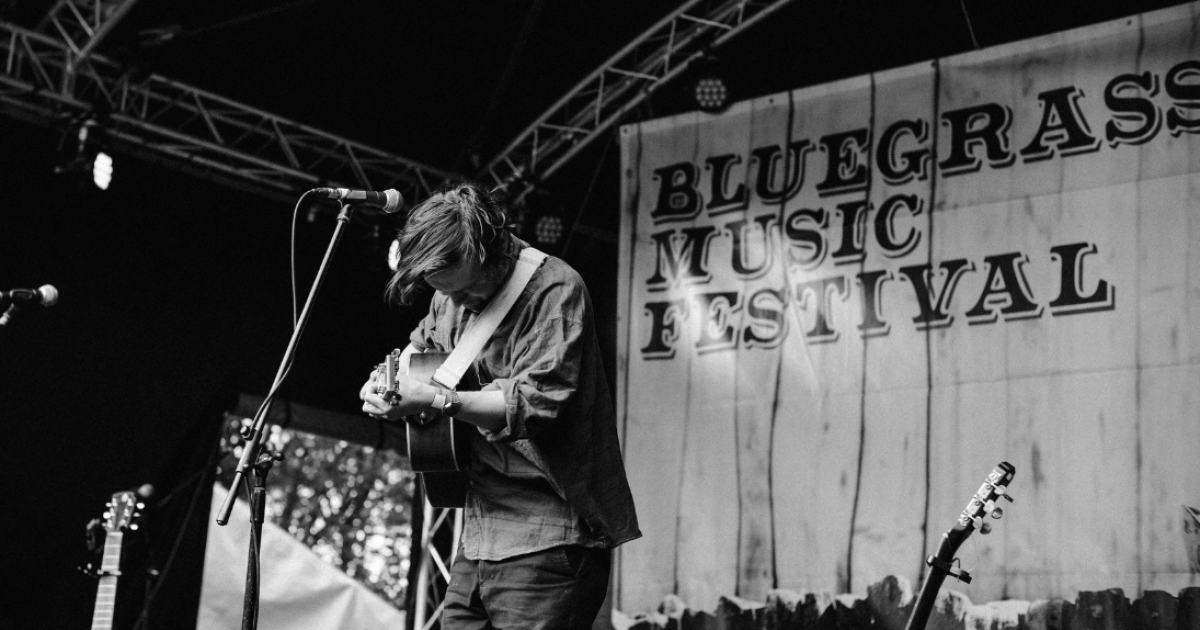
466, 284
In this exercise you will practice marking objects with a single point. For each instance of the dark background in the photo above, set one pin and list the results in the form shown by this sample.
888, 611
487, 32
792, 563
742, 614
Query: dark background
176, 290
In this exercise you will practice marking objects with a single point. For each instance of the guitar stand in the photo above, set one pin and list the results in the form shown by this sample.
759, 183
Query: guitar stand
961, 575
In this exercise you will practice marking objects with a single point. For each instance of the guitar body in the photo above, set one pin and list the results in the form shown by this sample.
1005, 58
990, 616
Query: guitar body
438, 450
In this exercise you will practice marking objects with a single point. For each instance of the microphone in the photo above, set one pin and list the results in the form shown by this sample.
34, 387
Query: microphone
46, 295
390, 200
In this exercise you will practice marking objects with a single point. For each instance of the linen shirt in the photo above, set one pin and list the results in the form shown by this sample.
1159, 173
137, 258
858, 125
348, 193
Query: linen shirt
554, 474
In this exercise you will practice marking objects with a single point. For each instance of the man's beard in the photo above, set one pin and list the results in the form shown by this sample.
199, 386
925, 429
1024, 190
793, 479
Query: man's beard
496, 276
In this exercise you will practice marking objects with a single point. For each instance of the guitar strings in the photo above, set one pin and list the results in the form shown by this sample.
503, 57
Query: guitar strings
975, 548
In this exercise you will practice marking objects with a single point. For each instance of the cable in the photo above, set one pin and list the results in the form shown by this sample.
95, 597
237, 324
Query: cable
490, 112
586, 196
255, 545
970, 29
292, 262
237, 20
209, 466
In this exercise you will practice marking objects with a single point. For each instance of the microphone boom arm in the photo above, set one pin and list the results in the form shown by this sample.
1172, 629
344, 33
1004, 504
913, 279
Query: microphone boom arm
254, 441
251, 459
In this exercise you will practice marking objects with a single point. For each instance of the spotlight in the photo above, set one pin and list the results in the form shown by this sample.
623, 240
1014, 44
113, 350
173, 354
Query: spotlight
86, 162
393, 255
711, 94
710, 90
548, 229
540, 219
102, 170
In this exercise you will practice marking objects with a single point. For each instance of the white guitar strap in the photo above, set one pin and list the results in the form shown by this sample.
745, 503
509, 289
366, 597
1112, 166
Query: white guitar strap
473, 340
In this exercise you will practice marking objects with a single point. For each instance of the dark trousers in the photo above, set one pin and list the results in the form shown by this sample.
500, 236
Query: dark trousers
557, 589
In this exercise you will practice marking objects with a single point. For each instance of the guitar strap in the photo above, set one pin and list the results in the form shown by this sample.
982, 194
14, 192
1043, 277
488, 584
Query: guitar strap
473, 340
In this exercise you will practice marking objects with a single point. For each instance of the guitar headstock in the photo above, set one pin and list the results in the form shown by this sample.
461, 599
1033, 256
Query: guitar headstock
123, 511
943, 563
387, 374
981, 504
984, 501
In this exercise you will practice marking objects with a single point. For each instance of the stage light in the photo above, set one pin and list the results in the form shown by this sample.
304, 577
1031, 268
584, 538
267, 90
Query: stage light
711, 94
710, 90
85, 161
393, 255
548, 229
540, 219
102, 170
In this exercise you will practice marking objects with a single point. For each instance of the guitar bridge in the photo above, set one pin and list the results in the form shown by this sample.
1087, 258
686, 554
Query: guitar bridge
960, 575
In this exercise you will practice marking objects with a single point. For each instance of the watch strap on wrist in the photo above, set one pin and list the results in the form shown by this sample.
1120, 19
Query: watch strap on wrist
452, 405
439, 400
430, 413
446, 402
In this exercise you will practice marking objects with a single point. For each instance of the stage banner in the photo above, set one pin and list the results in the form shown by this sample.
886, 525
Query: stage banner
843, 305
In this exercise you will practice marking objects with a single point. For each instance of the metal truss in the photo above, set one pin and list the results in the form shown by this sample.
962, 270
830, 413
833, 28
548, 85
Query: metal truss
55, 77
439, 525
83, 24
46, 79
619, 85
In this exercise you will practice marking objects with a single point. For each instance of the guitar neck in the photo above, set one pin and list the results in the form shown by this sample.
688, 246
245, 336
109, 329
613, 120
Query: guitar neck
106, 592
106, 603
933, 582
983, 502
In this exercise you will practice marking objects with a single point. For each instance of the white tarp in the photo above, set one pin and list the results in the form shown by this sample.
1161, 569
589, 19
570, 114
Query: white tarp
299, 591
843, 305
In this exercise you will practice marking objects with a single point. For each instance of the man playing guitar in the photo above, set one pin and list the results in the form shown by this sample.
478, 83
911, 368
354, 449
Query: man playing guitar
547, 497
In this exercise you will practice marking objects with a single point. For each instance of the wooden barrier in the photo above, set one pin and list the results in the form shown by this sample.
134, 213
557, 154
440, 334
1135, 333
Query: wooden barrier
888, 604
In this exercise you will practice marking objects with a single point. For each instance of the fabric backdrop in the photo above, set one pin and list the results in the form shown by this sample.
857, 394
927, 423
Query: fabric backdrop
843, 305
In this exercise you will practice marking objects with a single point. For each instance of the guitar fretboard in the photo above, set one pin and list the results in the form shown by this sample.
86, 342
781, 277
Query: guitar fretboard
106, 592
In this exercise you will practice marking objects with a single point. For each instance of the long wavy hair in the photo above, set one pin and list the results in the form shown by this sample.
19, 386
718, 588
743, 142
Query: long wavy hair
460, 222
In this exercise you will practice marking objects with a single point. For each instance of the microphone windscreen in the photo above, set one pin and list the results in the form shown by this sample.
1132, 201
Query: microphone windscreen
49, 295
394, 201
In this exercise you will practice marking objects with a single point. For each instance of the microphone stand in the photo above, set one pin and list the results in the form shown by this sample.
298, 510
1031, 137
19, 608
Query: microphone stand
254, 438
8, 313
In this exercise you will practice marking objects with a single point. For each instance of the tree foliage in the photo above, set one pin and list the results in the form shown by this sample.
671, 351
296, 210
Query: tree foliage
351, 504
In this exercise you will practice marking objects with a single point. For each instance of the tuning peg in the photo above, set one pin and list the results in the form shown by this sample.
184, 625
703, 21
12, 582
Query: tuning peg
997, 512
985, 528
141, 506
1002, 491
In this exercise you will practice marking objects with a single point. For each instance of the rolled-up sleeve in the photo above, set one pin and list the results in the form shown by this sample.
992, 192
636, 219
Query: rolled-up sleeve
559, 420
542, 383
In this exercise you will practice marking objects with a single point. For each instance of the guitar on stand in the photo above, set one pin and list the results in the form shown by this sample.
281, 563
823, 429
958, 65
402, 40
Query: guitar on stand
439, 448
122, 515
942, 564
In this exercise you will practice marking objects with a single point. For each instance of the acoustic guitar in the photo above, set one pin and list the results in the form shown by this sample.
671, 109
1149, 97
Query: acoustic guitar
121, 515
942, 564
439, 449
